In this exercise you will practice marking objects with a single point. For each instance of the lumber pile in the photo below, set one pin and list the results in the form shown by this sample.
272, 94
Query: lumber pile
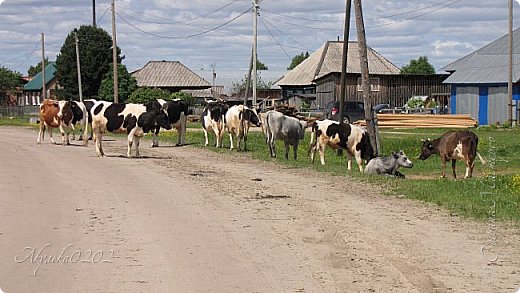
422, 121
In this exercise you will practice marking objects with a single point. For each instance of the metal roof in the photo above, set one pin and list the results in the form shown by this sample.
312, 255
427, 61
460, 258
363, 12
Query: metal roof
488, 64
168, 74
36, 83
327, 59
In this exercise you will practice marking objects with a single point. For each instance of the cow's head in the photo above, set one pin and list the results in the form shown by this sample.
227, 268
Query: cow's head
427, 149
252, 116
161, 117
402, 159
65, 113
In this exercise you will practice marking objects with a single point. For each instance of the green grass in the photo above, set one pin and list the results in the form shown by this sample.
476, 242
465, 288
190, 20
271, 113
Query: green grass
16, 121
473, 198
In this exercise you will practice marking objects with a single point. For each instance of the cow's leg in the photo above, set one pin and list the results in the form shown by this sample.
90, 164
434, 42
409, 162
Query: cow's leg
359, 161
443, 168
73, 132
295, 149
155, 133
50, 135
231, 141
98, 137
287, 149
41, 133
137, 141
84, 133
453, 167
184, 121
469, 169
321, 149
206, 141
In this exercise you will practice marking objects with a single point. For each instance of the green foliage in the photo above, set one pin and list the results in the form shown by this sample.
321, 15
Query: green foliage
261, 66
260, 84
9, 80
297, 60
419, 66
33, 70
415, 102
95, 57
145, 94
126, 84
188, 98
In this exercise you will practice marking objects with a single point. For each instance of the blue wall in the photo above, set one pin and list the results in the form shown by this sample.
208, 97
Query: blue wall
483, 105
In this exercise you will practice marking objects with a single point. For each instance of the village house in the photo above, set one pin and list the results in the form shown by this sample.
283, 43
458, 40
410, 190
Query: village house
32, 91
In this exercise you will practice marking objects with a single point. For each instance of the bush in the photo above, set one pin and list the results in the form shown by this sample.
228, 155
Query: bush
144, 95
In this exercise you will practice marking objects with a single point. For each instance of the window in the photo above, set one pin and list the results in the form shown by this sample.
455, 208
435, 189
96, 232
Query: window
374, 84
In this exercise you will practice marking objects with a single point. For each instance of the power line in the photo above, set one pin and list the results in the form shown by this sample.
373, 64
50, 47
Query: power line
274, 39
287, 36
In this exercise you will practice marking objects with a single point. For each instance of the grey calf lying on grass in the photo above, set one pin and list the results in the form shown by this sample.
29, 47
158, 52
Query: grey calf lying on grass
389, 165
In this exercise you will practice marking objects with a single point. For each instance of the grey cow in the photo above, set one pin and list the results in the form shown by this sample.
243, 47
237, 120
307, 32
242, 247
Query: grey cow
389, 165
282, 127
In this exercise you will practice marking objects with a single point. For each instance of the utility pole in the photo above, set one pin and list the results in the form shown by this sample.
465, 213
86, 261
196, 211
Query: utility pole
94, 13
510, 63
255, 33
44, 86
114, 53
213, 76
79, 69
363, 59
343, 86
248, 80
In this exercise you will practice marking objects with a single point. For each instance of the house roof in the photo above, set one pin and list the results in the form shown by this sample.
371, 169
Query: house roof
327, 59
488, 64
206, 93
36, 83
168, 74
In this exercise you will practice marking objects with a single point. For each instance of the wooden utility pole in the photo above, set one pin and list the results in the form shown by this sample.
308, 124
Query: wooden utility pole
94, 13
213, 76
363, 59
343, 86
255, 33
248, 80
44, 86
114, 53
510, 63
79, 69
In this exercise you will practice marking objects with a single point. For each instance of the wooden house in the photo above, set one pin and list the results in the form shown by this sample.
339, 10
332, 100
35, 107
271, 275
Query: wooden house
172, 76
32, 93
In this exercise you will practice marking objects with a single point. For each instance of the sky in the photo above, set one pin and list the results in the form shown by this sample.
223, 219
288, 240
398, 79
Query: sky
202, 34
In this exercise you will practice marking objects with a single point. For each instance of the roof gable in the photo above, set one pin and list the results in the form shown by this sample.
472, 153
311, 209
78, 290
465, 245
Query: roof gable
168, 74
36, 83
328, 58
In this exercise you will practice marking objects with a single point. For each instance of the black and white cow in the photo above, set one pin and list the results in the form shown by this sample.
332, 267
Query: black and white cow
352, 138
389, 165
238, 120
177, 115
214, 119
80, 118
134, 119
89, 105
281, 127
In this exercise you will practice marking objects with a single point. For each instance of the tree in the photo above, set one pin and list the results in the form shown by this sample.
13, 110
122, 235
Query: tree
188, 98
9, 80
95, 57
33, 70
241, 85
419, 66
126, 82
261, 66
298, 59
145, 94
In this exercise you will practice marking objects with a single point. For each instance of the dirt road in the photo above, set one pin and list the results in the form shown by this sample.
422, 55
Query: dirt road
189, 220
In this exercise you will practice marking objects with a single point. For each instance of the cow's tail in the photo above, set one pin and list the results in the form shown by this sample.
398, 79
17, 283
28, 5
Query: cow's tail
314, 139
482, 160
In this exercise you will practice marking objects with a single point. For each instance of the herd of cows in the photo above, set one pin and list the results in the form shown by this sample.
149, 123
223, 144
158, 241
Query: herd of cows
218, 117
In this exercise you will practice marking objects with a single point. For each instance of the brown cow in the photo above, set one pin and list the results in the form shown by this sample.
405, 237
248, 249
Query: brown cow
55, 114
453, 145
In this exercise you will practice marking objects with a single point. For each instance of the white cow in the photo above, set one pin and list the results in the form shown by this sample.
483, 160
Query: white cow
281, 127
238, 120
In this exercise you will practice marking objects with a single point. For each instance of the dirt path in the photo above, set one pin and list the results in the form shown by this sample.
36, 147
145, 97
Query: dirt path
190, 220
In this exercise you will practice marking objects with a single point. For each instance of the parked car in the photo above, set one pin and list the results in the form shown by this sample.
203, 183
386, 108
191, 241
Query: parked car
352, 110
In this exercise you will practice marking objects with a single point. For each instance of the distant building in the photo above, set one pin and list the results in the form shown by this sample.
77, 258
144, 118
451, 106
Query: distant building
32, 91
320, 75
479, 82
172, 76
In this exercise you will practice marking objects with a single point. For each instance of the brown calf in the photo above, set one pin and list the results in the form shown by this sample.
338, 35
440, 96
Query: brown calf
55, 114
453, 145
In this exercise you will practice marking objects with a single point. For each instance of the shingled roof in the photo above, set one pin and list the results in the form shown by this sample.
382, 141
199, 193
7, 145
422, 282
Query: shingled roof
488, 64
168, 74
327, 59
36, 83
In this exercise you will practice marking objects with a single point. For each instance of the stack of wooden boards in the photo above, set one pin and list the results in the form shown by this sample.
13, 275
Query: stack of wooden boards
423, 121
